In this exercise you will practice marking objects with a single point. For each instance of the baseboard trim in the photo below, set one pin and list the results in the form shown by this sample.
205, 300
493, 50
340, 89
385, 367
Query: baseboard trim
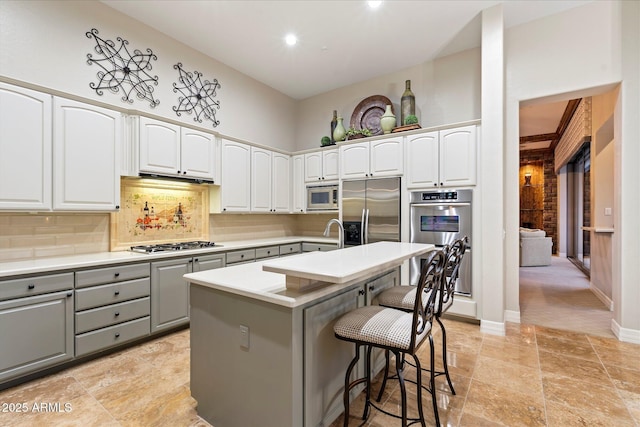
492, 328
562, 254
625, 334
602, 297
512, 316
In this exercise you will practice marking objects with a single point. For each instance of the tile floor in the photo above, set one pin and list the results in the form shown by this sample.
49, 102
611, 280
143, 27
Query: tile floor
533, 376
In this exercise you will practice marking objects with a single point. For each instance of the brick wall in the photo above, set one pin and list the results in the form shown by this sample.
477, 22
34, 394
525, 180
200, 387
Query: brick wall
550, 192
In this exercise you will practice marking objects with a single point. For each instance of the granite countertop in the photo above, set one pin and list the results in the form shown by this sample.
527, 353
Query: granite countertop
332, 271
54, 264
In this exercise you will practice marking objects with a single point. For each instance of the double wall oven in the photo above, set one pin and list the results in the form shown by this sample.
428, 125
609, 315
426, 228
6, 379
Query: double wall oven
440, 218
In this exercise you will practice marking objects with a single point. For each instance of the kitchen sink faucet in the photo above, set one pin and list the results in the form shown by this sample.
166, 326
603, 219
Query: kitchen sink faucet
340, 231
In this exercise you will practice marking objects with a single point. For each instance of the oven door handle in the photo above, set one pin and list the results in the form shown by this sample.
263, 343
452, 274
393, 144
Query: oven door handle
439, 204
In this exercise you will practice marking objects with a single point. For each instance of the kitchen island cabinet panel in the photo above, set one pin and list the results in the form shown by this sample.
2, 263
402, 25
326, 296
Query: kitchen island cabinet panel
86, 157
25, 149
35, 333
327, 358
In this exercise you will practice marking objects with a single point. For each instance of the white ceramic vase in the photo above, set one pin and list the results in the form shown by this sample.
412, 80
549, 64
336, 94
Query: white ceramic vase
388, 120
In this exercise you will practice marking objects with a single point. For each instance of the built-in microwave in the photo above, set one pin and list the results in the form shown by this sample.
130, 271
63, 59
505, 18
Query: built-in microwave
322, 197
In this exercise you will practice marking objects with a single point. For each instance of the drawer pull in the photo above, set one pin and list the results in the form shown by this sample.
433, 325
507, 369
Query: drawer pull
372, 288
117, 313
116, 293
117, 334
31, 286
242, 256
117, 274
69, 294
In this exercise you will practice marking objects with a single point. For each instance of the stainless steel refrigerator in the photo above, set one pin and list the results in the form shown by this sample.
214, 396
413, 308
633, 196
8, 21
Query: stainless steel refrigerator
371, 211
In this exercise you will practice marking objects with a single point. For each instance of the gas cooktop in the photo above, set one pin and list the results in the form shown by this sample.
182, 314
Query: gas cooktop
165, 247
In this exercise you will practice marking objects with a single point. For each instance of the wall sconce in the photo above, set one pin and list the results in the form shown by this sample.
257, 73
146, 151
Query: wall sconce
527, 179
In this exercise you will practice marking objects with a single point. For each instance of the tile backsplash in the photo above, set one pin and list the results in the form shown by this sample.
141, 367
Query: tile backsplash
32, 236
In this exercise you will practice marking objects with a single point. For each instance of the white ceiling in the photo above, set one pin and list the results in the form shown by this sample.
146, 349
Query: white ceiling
340, 42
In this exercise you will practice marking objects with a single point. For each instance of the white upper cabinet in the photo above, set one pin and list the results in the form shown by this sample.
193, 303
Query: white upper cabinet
25, 149
86, 157
458, 156
260, 180
173, 150
197, 154
445, 158
299, 195
236, 177
270, 181
281, 183
321, 165
378, 158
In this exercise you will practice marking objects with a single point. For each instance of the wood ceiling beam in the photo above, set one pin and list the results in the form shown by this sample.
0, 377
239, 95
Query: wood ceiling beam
569, 111
538, 138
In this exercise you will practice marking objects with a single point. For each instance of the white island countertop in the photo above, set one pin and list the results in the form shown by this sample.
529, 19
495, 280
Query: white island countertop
322, 272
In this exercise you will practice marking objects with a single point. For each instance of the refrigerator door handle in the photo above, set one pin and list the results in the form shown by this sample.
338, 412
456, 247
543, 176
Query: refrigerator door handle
366, 227
362, 229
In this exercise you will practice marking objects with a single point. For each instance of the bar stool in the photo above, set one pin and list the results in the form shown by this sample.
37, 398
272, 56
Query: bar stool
403, 298
396, 331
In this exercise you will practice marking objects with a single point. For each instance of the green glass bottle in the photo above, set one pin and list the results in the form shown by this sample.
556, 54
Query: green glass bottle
407, 103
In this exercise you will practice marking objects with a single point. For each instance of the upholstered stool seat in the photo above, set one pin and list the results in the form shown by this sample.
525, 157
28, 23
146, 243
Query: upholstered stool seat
382, 326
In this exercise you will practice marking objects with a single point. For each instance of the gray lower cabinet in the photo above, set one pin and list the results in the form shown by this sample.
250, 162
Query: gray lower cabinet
327, 358
112, 306
322, 247
292, 249
241, 256
170, 292
36, 332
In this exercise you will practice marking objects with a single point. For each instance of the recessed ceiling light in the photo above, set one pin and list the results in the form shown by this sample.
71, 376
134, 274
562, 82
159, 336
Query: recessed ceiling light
374, 4
291, 39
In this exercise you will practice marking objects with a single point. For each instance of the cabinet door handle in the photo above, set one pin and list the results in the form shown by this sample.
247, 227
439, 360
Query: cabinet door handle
117, 313
117, 334
31, 286
372, 288
196, 260
361, 292
441, 184
117, 206
116, 293
69, 294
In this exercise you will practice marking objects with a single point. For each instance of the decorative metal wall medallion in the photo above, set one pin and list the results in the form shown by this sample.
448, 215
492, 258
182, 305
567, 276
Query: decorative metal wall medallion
196, 96
122, 70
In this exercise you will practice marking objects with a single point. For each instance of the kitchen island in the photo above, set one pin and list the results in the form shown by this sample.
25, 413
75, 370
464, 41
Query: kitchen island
262, 345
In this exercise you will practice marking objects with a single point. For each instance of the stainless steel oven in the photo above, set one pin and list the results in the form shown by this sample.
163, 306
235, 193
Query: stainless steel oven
440, 218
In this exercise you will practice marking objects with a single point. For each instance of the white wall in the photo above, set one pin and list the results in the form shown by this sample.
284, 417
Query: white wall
571, 54
447, 90
44, 45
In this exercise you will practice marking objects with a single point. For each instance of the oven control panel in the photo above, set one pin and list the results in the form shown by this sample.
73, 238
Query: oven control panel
448, 195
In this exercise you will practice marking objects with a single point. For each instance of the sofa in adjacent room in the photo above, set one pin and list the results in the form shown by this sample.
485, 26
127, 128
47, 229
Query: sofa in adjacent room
535, 248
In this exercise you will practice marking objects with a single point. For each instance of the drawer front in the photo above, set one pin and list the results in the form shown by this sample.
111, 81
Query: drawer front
101, 276
313, 247
112, 293
241, 256
96, 318
111, 336
26, 287
271, 251
290, 249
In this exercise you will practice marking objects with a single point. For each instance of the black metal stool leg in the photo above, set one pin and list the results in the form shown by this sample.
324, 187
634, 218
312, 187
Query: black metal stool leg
419, 389
367, 367
444, 355
347, 386
386, 374
433, 381
403, 391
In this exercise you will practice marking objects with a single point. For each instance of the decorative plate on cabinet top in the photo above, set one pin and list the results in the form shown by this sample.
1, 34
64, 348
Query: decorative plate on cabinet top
368, 112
